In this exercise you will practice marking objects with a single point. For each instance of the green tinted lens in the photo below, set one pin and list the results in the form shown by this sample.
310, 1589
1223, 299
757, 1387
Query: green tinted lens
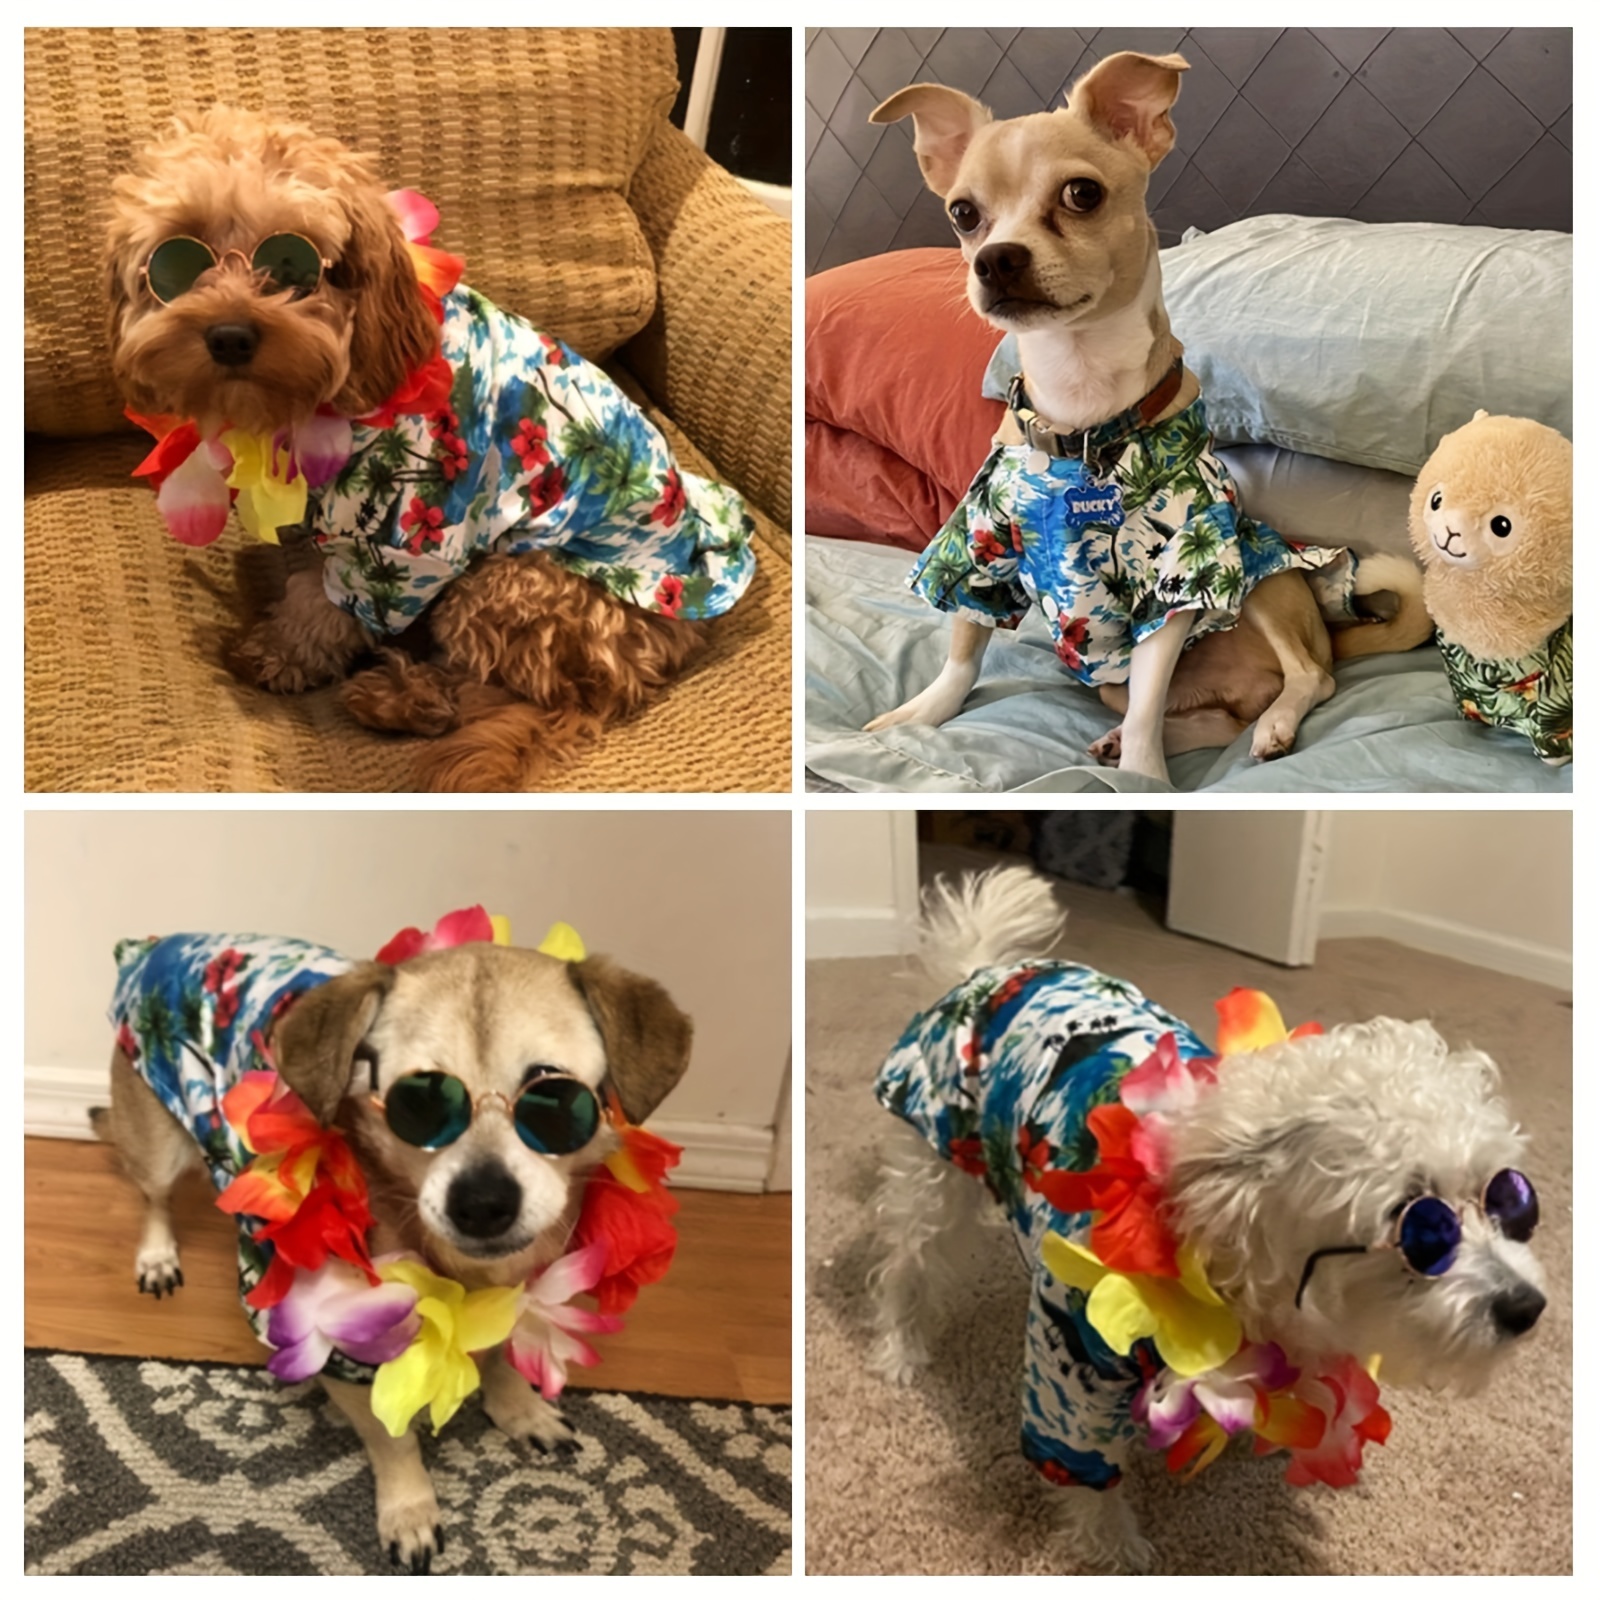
427, 1109
289, 261
174, 266
556, 1116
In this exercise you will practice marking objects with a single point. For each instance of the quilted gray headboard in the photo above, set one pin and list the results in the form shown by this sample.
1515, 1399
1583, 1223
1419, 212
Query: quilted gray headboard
1380, 124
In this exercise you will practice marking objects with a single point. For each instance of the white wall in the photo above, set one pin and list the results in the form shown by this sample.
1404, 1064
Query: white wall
697, 899
861, 882
1490, 887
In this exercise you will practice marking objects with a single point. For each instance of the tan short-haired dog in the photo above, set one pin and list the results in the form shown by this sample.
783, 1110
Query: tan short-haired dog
1050, 213
484, 1209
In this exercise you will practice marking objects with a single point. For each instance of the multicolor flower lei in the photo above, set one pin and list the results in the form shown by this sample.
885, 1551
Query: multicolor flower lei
1142, 1283
323, 1291
197, 479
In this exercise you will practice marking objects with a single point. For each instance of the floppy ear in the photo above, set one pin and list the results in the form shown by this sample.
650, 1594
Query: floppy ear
1128, 96
646, 1036
945, 120
314, 1042
393, 330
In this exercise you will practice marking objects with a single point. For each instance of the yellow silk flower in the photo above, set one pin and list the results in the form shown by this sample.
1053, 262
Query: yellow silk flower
1192, 1329
269, 498
563, 943
437, 1370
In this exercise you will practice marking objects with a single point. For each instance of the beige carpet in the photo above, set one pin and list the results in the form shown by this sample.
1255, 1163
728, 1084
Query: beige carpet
929, 1480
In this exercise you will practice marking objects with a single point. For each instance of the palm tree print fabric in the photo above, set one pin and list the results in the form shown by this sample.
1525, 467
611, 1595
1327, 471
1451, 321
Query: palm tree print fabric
193, 1013
538, 450
1173, 540
1530, 694
1000, 1077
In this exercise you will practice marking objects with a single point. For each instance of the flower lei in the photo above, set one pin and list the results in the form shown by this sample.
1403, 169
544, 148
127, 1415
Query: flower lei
197, 479
324, 1292
1142, 1283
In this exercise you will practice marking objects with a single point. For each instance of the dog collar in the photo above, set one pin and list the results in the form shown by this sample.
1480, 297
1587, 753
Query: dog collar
1098, 439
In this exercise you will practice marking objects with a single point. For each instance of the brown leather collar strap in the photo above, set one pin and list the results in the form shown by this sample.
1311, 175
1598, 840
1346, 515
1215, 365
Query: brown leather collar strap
1041, 436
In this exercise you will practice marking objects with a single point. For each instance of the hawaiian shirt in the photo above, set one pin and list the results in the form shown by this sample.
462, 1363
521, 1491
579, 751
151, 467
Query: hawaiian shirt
1109, 555
1008, 1064
1531, 694
539, 450
192, 1012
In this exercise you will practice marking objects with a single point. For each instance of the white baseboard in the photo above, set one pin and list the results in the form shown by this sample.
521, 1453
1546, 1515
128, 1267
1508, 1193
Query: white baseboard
832, 934
716, 1155
1518, 958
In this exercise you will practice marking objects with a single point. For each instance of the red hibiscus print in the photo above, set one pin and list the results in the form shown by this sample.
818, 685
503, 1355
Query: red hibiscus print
995, 544
545, 491
1071, 636
554, 355
967, 1154
530, 445
670, 506
450, 451
218, 980
425, 524
127, 1043
669, 596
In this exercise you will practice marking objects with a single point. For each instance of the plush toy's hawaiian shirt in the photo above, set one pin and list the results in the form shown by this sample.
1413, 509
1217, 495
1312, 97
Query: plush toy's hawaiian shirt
539, 450
1109, 555
192, 1013
999, 1076
1531, 694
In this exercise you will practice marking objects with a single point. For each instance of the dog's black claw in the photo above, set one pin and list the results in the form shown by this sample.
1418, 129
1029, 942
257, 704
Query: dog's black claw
394, 1552
177, 1278
569, 1446
438, 1540
422, 1562
538, 1444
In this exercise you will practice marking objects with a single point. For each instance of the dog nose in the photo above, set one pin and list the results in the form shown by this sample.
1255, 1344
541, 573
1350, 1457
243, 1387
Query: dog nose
1517, 1311
231, 344
484, 1201
1001, 264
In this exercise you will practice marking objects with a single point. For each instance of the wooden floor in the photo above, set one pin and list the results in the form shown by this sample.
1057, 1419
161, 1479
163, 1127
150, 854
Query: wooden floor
717, 1327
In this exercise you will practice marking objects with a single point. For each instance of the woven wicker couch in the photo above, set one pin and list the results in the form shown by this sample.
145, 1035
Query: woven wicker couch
574, 202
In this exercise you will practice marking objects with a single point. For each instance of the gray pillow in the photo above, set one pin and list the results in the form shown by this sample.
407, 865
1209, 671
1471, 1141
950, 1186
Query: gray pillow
1366, 342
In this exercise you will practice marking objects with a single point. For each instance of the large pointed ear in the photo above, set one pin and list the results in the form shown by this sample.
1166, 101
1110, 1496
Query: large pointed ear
945, 121
1128, 96
314, 1042
646, 1036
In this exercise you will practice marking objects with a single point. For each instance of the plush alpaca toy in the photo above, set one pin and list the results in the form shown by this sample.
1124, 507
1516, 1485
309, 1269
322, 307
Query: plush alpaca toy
1491, 522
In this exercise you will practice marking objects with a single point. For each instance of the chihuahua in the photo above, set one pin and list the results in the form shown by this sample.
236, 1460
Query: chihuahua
483, 1203
1102, 502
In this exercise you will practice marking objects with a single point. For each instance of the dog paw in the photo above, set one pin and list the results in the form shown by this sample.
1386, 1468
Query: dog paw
1108, 751
265, 658
529, 1418
157, 1270
898, 1359
409, 1530
1274, 736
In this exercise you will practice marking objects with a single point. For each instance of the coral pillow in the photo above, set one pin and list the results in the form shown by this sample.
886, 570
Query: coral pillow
896, 422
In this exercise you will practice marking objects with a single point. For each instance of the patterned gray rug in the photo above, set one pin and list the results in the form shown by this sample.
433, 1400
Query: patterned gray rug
135, 1466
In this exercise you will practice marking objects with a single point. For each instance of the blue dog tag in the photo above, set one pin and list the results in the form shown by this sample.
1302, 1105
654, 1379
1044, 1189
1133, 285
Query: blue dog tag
1080, 499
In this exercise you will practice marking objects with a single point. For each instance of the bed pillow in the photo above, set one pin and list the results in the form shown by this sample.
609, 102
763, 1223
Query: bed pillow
1367, 342
896, 422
